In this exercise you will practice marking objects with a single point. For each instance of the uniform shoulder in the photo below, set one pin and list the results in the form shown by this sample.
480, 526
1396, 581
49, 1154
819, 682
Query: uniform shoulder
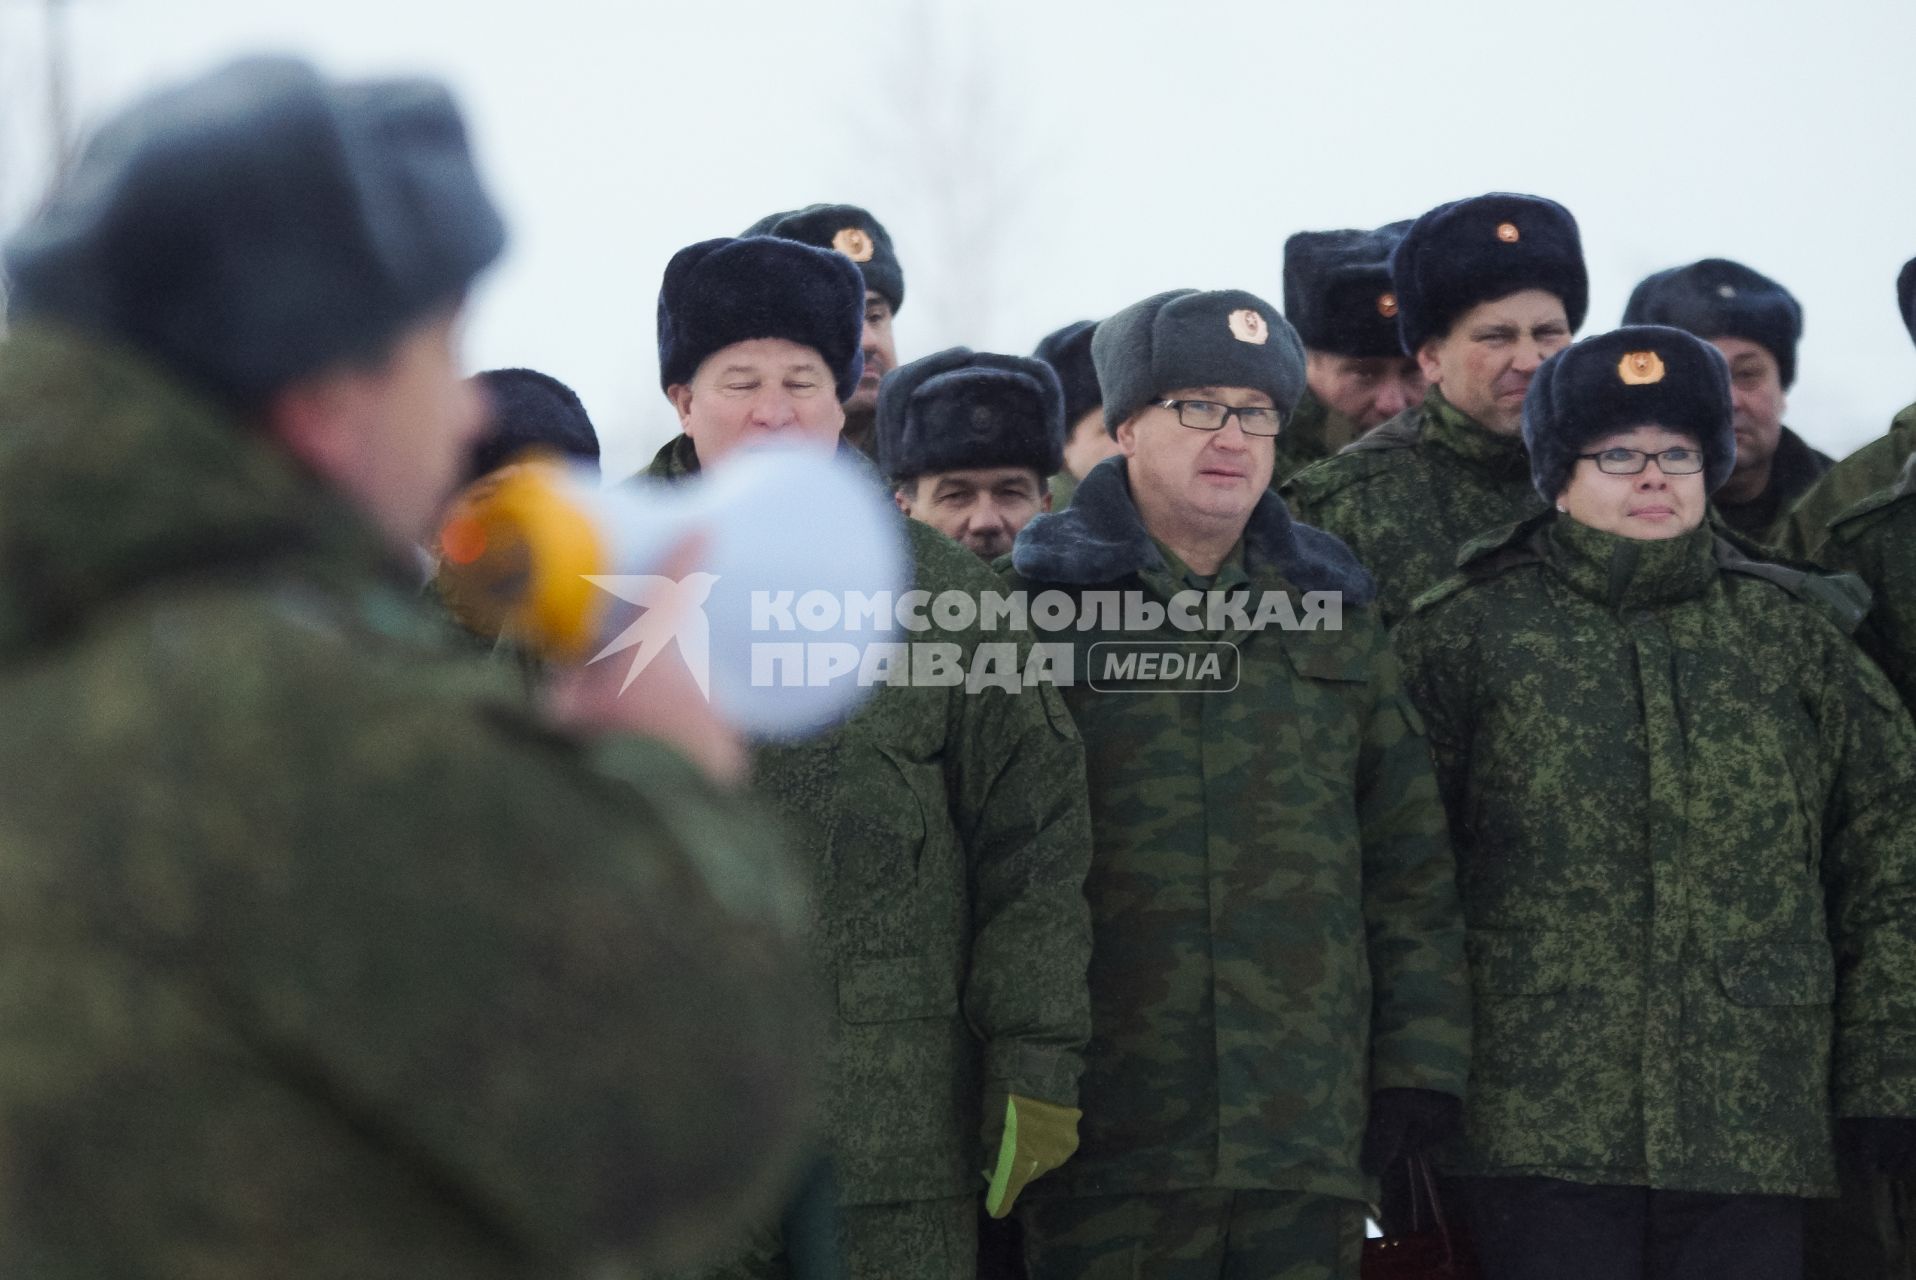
1841, 599
1330, 476
939, 564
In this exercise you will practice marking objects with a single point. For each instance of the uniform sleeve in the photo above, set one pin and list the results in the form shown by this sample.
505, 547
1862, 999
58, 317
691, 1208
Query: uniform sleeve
1869, 878
560, 981
1420, 1011
1018, 795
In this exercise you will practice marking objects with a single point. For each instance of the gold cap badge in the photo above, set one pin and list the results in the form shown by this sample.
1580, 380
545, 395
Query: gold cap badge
854, 244
1508, 233
1248, 326
1640, 368
1387, 305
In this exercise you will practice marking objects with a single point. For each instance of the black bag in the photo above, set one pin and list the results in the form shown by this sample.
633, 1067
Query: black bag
1430, 1250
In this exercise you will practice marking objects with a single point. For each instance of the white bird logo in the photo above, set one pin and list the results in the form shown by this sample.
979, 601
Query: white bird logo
673, 609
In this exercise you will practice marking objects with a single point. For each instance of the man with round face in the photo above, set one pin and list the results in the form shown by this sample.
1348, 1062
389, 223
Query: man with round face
1756, 324
968, 440
1238, 1095
943, 830
327, 952
1485, 289
853, 232
1087, 442
1338, 296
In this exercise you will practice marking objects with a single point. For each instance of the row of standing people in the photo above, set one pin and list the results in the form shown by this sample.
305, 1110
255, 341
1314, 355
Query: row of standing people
486, 988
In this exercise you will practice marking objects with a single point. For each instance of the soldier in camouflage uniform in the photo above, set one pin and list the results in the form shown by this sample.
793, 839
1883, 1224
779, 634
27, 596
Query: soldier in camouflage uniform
945, 832
1685, 813
323, 953
1338, 296
968, 440
1277, 986
1873, 467
853, 232
1086, 442
1486, 289
1756, 323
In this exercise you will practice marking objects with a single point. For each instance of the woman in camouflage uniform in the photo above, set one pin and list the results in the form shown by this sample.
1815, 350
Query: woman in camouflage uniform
1681, 802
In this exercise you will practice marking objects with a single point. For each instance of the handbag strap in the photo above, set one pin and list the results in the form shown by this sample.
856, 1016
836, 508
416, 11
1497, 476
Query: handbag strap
1423, 1178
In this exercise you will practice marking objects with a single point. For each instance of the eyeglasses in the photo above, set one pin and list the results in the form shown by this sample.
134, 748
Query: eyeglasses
1679, 461
1208, 415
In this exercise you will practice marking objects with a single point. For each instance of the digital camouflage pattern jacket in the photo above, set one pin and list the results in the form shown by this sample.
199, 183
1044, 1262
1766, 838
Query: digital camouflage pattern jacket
946, 840
1876, 540
1407, 496
1871, 468
322, 956
1313, 432
1684, 808
1273, 896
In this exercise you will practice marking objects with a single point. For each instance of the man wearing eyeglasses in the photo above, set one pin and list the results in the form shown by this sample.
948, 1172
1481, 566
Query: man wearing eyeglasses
1486, 290
1279, 1006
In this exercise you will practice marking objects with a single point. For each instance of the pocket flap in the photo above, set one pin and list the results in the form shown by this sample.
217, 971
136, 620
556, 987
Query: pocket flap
896, 989
1777, 973
1328, 656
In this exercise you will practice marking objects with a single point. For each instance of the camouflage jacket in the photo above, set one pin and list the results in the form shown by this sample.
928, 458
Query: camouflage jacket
1314, 432
1408, 495
1272, 892
1684, 807
1793, 470
1873, 467
1876, 540
323, 956
946, 838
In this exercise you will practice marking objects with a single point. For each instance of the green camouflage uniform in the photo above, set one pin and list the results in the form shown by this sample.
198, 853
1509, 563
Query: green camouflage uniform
1684, 808
1874, 466
1794, 468
1409, 494
1313, 432
1062, 486
322, 956
1870, 1233
1272, 893
947, 841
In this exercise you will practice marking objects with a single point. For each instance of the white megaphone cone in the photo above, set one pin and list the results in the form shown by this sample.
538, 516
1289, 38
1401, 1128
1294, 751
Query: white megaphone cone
801, 561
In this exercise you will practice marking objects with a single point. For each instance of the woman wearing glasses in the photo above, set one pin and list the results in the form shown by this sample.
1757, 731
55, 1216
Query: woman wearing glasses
1684, 810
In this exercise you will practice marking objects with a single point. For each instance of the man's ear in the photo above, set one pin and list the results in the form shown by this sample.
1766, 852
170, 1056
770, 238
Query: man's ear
680, 394
1427, 359
902, 498
316, 420
1127, 436
1044, 498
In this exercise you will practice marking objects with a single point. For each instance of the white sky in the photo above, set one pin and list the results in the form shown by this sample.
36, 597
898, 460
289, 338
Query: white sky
1040, 161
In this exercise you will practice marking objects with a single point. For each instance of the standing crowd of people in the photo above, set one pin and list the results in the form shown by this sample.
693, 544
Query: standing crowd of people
1570, 857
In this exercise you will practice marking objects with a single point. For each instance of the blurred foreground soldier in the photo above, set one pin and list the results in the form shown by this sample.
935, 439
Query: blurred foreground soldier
850, 230
1086, 440
1756, 323
1339, 298
1279, 1005
1875, 466
323, 954
1487, 289
945, 831
968, 440
1691, 889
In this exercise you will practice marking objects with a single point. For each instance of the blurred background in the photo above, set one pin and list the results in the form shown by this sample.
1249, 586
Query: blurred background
1041, 161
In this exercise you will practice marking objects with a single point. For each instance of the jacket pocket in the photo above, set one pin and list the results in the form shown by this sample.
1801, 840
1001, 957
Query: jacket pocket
1761, 974
896, 990
1520, 962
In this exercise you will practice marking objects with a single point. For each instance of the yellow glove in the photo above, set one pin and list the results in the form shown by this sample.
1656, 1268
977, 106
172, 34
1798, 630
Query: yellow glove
1039, 1136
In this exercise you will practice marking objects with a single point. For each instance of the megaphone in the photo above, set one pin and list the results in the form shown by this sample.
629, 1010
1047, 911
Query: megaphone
544, 556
